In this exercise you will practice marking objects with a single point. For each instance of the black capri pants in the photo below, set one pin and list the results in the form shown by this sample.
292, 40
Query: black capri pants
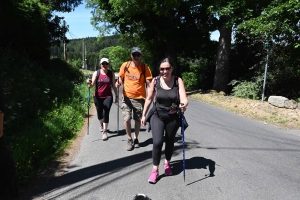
103, 106
158, 127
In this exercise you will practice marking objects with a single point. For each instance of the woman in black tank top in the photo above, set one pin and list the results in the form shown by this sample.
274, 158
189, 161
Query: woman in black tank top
170, 96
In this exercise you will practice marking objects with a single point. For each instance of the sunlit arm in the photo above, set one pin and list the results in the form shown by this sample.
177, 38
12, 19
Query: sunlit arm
148, 100
182, 93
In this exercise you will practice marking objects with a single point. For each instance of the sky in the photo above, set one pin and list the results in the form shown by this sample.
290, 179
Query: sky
80, 25
79, 22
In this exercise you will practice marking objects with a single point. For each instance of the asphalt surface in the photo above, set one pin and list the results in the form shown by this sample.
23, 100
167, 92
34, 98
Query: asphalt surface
252, 161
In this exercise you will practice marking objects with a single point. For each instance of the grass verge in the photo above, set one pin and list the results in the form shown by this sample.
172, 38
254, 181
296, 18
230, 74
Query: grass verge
255, 109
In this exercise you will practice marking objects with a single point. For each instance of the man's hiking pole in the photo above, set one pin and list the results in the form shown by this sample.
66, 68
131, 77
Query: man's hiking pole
118, 109
88, 125
182, 135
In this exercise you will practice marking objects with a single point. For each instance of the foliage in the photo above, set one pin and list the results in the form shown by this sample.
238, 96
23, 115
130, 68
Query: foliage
117, 56
199, 73
40, 101
190, 80
247, 89
25, 28
93, 45
279, 21
248, 66
76, 63
47, 136
164, 28
30, 27
283, 75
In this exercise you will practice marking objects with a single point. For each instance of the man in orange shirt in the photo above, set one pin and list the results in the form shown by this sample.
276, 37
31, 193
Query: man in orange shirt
133, 75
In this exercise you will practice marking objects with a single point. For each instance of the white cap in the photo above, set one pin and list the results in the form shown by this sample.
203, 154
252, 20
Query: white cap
104, 60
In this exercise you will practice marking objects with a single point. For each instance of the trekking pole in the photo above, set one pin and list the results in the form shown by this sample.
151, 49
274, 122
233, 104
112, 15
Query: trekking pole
88, 125
183, 153
118, 109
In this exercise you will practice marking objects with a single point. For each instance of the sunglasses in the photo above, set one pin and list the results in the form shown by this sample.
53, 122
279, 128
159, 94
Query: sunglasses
136, 55
105, 63
163, 69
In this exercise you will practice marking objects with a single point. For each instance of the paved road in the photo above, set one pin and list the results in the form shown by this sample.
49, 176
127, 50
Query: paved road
252, 161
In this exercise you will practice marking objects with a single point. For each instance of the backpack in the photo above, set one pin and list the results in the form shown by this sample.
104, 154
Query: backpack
143, 71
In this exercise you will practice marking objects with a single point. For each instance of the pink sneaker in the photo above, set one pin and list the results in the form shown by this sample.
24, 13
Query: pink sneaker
168, 170
153, 176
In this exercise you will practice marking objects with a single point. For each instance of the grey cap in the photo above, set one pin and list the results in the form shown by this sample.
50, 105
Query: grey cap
136, 49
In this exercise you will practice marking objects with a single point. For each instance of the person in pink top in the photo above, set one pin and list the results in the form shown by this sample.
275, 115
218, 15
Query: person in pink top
104, 80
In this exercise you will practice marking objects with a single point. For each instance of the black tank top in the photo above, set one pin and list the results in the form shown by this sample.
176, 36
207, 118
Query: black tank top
166, 97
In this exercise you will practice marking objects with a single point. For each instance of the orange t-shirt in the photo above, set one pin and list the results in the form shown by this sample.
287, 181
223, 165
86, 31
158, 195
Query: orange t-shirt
134, 80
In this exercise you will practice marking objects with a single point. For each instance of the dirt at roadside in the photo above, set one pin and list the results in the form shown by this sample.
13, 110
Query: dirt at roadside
256, 109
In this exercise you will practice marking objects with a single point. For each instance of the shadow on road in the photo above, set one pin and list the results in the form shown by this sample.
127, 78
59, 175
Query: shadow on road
54, 184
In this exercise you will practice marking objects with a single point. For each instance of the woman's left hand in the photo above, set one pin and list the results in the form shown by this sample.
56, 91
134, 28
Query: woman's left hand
182, 106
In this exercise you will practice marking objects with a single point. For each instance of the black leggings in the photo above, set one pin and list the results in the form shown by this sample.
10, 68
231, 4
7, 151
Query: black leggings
158, 127
103, 106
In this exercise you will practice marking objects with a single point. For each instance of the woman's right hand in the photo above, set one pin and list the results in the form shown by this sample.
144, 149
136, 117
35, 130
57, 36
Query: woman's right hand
88, 81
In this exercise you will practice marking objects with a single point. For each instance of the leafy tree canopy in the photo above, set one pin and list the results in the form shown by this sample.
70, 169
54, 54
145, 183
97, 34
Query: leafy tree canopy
117, 55
279, 21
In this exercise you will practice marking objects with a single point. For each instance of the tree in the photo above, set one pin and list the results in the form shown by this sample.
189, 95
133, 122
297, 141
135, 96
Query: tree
279, 21
228, 15
29, 27
117, 56
164, 27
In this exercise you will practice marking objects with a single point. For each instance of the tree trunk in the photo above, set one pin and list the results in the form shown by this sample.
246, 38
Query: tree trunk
222, 62
173, 55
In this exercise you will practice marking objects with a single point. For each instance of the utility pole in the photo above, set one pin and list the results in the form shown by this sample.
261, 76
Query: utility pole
83, 54
267, 45
65, 56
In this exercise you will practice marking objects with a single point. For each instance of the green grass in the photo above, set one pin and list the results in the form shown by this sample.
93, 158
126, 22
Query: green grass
45, 110
48, 135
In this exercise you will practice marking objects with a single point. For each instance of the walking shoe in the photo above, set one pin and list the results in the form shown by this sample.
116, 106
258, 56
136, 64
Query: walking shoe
129, 145
136, 143
153, 176
168, 170
104, 135
101, 128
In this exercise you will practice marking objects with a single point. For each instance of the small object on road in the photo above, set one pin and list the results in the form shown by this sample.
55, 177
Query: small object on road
141, 197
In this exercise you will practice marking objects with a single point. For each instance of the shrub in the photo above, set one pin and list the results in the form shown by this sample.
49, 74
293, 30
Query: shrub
190, 80
247, 89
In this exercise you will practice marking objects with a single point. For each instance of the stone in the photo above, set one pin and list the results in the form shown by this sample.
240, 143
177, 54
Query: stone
277, 101
291, 104
222, 93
